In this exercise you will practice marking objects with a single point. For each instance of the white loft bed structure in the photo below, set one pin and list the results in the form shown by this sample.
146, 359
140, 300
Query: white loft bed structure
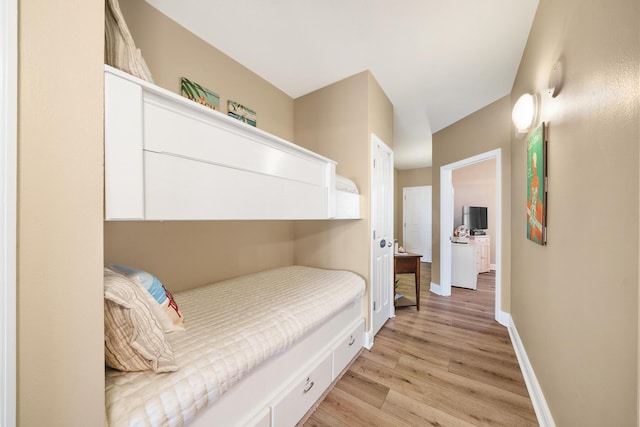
169, 158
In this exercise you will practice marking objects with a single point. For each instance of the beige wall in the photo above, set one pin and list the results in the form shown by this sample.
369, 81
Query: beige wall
483, 131
60, 344
325, 129
172, 52
188, 254
380, 112
575, 301
407, 178
322, 126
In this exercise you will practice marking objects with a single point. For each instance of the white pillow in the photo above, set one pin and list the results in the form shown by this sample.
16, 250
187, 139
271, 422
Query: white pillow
133, 338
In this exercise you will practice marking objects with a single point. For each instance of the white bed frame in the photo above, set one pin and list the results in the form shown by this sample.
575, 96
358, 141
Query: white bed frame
279, 392
169, 158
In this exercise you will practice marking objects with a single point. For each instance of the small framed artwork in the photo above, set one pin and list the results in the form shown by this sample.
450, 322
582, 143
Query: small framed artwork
537, 185
242, 113
199, 94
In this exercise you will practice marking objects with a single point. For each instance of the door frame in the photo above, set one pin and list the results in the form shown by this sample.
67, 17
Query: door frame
8, 207
446, 227
369, 335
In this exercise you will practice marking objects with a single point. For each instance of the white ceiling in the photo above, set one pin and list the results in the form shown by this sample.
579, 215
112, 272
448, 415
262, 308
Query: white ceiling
437, 60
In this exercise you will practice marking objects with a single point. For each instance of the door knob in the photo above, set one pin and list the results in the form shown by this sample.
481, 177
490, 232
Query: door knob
383, 243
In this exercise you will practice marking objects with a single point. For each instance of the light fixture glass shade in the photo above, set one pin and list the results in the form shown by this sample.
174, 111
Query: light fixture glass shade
524, 112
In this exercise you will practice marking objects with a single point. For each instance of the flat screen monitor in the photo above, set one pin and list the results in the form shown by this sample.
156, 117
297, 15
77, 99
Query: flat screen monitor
474, 217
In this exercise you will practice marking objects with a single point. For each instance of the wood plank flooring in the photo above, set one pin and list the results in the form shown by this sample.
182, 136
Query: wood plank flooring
450, 364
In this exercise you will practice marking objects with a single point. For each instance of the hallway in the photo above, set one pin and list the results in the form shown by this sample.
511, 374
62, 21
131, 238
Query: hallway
450, 364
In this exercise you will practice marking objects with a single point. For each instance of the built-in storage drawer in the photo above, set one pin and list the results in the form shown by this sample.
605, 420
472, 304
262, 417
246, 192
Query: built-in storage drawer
263, 419
298, 399
346, 349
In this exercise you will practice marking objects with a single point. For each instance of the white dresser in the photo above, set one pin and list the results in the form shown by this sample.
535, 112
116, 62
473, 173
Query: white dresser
464, 268
484, 253
468, 259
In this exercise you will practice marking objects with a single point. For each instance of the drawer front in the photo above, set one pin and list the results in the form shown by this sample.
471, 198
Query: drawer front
211, 196
347, 348
298, 399
263, 419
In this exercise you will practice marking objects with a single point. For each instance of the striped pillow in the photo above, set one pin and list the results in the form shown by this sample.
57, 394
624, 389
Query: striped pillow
133, 338
120, 51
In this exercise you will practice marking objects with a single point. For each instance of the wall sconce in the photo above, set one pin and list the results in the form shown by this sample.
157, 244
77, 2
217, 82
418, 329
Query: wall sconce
556, 79
525, 112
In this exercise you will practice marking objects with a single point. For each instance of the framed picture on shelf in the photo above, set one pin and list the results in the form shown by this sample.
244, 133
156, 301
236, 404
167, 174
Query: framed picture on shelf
242, 113
537, 185
199, 94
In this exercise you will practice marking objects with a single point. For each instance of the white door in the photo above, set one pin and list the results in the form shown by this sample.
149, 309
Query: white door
416, 209
382, 233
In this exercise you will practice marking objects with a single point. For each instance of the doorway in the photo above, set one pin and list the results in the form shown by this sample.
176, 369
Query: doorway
447, 224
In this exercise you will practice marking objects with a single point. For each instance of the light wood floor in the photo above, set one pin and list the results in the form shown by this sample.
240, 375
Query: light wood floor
450, 364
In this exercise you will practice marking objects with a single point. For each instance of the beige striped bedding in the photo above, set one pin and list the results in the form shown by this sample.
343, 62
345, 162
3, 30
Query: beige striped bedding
231, 327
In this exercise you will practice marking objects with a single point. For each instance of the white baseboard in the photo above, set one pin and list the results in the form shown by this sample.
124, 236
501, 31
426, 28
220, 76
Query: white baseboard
435, 288
368, 340
492, 267
504, 318
535, 392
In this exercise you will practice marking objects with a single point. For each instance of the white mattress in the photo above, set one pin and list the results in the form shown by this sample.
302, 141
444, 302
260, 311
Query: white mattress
232, 327
345, 184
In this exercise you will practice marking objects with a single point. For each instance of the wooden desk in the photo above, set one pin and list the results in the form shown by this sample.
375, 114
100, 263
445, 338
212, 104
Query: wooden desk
407, 263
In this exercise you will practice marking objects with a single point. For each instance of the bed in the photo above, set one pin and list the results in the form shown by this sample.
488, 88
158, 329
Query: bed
169, 158
260, 349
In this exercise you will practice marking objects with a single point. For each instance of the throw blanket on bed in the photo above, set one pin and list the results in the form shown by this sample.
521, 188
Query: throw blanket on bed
231, 327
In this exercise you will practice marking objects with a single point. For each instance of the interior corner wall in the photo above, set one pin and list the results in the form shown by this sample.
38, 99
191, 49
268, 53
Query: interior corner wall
322, 126
407, 178
186, 254
380, 111
483, 131
60, 329
575, 300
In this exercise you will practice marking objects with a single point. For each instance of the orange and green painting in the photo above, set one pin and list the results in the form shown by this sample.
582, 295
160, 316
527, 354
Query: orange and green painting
536, 190
199, 94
